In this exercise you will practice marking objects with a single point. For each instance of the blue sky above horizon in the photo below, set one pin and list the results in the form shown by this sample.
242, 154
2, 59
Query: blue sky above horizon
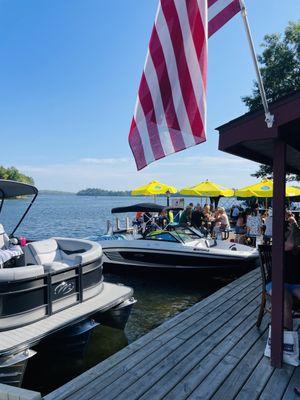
69, 75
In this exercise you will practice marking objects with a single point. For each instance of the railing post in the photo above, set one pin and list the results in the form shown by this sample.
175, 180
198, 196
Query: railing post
80, 289
278, 252
49, 293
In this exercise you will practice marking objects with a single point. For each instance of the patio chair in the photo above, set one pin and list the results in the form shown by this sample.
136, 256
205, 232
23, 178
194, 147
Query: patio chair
265, 255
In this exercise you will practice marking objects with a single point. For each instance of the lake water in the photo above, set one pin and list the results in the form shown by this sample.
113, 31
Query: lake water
159, 297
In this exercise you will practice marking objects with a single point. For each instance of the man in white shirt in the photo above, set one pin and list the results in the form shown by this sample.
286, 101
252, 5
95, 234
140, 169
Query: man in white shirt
235, 212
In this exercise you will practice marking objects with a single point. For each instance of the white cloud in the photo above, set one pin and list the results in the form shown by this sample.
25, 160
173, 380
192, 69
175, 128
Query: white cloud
121, 174
210, 161
109, 161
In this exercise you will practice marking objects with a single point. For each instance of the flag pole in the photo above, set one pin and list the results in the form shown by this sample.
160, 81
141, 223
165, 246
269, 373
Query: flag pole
269, 118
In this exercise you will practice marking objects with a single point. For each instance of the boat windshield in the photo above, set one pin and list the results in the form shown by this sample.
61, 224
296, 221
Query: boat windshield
186, 235
183, 235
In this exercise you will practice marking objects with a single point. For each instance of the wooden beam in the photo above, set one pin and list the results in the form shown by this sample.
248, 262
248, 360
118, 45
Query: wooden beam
278, 252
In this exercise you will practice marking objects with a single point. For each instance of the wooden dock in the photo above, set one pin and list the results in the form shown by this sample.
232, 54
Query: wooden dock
213, 350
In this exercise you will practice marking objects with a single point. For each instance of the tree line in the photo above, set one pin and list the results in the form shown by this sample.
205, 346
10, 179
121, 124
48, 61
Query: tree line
102, 192
13, 174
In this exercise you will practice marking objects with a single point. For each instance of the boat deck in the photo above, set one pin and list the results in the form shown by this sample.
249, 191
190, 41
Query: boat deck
20, 338
213, 350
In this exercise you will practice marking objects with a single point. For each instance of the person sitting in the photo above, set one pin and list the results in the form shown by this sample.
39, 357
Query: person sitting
197, 217
221, 221
162, 219
290, 217
208, 217
138, 221
291, 273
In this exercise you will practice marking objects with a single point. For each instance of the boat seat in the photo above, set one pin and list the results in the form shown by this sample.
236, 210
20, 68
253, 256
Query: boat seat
18, 273
60, 253
7, 249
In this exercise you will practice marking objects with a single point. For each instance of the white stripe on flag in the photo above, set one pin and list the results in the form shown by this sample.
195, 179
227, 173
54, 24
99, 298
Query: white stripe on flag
163, 130
179, 105
190, 52
217, 8
143, 130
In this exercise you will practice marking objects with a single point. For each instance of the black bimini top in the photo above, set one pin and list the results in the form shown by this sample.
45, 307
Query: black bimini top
140, 207
13, 189
143, 207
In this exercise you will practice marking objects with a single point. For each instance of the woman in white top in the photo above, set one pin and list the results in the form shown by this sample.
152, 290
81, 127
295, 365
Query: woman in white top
221, 221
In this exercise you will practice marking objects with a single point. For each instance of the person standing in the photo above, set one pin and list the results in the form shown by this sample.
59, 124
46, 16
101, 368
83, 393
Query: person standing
254, 225
197, 217
235, 213
186, 216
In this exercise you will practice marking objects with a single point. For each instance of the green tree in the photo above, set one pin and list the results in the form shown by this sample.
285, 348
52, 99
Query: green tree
280, 69
14, 174
279, 66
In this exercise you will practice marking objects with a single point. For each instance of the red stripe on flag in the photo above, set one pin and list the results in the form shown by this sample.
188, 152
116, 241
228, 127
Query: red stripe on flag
148, 108
186, 85
224, 16
159, 62
211, 2
136, 146
198, 34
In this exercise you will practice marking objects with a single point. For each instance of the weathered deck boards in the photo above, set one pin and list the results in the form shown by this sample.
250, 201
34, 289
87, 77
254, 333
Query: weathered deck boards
213, 350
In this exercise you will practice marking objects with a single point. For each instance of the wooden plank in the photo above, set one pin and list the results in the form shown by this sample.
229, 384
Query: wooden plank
289, 394
187, 374
223, 358
8, 392
181, 320
257, 380
240, 374
144, 375
118, 372
217, 375
278, 383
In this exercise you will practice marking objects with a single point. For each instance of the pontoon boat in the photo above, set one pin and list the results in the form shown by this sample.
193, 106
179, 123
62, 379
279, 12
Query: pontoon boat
50, 286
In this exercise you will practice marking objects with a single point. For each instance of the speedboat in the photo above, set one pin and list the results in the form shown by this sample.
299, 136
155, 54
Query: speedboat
174, 248
50, 287
182, 248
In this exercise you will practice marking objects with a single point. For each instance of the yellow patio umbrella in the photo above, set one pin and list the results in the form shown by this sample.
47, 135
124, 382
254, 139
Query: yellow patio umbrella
207, 189
153, 188
265, 189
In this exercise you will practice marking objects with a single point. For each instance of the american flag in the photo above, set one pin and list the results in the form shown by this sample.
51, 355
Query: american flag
170, 110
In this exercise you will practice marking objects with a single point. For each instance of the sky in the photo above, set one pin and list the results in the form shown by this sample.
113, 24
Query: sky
69, 74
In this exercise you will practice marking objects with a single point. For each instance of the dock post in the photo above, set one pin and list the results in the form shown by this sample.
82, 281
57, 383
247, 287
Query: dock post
278, 252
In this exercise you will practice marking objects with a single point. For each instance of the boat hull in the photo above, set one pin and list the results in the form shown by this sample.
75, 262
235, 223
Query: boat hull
165, 260
74, 327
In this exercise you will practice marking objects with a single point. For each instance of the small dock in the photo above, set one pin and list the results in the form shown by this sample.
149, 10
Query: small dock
213, 350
